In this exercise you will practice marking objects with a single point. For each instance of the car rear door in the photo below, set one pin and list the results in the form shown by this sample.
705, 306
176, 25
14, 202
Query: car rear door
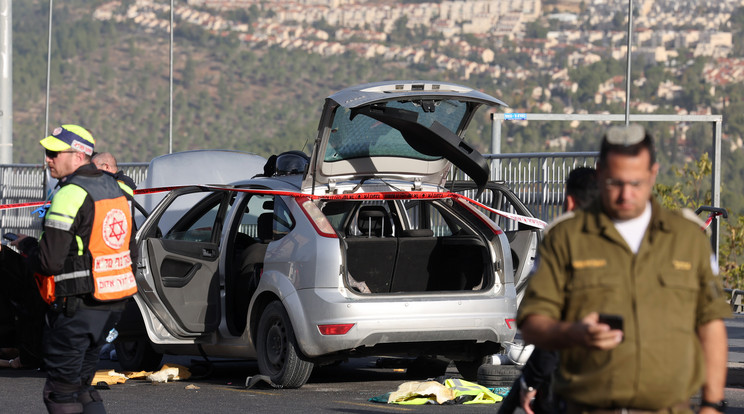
179, 270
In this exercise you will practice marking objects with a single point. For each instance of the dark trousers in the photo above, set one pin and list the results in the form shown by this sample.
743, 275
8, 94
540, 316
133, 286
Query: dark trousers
21, 309
538, 371
72, 342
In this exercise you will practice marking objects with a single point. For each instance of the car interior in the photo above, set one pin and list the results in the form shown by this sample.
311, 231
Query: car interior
384, 257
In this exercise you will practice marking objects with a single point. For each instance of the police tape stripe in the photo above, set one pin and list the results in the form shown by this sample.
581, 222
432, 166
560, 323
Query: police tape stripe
392, 195
22, 205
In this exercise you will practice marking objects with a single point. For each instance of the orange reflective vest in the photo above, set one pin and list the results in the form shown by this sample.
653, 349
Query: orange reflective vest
112, 265
102, 265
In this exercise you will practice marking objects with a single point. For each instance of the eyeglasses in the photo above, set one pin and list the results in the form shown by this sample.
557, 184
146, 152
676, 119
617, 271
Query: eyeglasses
53, 154
620, 184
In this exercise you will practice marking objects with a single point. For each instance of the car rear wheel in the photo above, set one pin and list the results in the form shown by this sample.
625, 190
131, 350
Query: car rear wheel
277, 352
469, 369
490, 375
137, 355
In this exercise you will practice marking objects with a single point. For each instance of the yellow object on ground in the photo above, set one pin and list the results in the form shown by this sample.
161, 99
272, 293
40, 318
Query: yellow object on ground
137, 375
418, 393
482, 394
110, 377
170, 372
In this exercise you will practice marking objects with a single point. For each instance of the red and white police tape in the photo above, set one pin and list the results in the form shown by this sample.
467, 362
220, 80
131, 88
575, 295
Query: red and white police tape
393, 195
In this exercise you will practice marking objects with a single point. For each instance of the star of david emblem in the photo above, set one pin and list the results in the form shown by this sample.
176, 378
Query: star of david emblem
115, 228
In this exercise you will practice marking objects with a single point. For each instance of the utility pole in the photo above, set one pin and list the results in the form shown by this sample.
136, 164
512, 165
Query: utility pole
6, 82
627, 73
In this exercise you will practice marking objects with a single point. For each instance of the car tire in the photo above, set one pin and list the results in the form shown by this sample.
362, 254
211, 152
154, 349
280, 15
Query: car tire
490, 375
137, 355
469, 369
276, 349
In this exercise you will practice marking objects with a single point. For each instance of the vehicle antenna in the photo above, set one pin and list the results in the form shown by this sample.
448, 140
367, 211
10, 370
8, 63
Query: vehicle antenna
305, 144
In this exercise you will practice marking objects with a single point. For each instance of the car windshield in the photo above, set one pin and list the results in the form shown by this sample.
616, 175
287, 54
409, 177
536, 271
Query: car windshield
356, 135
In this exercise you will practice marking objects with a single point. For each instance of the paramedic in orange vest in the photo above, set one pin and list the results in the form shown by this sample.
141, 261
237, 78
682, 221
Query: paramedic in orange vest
84, 264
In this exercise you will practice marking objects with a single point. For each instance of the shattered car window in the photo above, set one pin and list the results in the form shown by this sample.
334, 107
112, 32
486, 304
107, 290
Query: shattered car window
355, 135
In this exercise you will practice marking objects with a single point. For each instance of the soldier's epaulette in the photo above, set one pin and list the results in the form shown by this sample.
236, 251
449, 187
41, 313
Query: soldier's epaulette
690, 215
563, 217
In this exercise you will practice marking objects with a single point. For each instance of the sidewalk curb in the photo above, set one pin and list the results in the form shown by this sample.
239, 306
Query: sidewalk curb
735, 377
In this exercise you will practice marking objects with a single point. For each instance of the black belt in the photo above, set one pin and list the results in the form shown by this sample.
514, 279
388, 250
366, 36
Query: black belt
67, 305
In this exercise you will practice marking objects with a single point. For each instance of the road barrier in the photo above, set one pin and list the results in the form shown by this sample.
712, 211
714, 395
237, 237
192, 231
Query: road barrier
735, 300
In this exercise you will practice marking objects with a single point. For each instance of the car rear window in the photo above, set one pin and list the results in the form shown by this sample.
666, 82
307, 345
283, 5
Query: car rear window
363, 136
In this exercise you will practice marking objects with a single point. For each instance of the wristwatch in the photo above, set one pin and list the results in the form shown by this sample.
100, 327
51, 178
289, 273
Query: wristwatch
720, 406
523, 385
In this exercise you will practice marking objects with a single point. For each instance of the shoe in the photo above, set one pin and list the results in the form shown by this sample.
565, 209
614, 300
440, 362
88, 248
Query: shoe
14, 363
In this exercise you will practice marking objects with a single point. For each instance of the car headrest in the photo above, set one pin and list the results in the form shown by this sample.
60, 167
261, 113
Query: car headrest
374, 221
265, 227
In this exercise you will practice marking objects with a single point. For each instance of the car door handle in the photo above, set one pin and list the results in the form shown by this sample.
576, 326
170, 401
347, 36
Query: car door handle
209, 253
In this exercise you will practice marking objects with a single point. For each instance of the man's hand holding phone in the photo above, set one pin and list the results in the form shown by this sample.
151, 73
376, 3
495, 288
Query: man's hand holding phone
603, 332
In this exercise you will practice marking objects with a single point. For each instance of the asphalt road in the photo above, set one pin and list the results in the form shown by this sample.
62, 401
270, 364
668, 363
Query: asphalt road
344, 388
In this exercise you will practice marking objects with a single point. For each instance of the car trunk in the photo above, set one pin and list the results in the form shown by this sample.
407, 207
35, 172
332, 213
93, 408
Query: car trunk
410, 247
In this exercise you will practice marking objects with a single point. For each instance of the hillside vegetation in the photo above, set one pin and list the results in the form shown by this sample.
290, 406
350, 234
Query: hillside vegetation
113, 78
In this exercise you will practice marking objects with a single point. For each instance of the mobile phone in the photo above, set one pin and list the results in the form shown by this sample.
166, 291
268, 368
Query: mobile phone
615, 321
10, 236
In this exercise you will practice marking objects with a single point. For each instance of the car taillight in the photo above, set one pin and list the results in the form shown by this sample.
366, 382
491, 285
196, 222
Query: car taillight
317, 218
338, 329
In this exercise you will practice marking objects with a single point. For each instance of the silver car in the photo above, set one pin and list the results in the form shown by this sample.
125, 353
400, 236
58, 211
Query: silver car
358, 249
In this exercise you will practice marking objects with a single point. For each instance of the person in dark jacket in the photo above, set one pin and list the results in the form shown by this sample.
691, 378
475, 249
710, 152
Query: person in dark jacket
105, 161
84, 266
531, 391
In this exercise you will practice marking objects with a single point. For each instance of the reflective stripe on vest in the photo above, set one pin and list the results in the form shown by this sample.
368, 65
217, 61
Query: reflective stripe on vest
71, 275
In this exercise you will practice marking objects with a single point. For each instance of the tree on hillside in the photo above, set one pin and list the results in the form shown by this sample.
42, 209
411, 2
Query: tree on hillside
188, 76
535, 30
400, 32
737, 28
691, 191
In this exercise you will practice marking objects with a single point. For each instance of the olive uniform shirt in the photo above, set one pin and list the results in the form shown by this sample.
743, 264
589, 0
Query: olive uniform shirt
664, 292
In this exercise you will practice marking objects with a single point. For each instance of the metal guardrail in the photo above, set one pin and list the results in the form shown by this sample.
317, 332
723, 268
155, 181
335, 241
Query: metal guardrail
539, 178
735, 300
20, 183
23, 183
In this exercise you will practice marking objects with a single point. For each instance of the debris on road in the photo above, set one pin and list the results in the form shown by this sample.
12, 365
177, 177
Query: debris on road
449, 391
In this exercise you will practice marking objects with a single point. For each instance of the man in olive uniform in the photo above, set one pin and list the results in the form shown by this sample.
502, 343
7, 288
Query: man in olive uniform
629, 257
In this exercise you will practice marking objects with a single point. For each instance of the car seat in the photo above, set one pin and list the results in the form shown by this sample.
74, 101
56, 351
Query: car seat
374, 221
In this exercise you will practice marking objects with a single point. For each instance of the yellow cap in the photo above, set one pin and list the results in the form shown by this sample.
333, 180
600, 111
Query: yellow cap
69, 136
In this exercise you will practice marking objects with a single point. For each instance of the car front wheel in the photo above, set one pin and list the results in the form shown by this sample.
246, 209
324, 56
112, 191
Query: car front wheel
137, 355
277, 352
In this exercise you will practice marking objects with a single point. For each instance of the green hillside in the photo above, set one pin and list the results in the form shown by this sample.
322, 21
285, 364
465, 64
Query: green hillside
114, 80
